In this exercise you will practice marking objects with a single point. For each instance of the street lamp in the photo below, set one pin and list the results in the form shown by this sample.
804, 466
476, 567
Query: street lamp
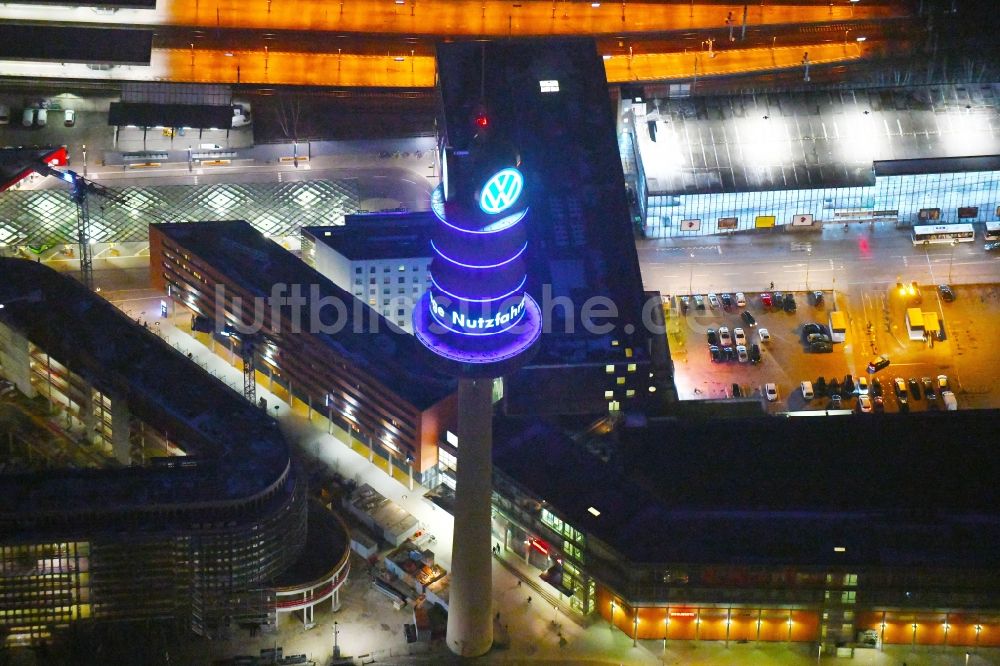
808, 261
691, 276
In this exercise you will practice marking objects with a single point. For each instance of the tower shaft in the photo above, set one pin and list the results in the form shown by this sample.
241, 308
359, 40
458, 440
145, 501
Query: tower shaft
470, 605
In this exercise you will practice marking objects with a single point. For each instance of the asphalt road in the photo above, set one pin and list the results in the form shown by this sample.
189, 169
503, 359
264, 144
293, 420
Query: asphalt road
832, 258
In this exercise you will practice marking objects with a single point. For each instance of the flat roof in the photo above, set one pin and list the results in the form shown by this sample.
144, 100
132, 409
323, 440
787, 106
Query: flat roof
198, 116
368, 341
81, 44
893, 490
17, 163
823, 138
580, 234
377, 236
235, 450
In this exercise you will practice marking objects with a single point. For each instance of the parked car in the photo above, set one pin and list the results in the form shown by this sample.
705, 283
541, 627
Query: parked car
699, 302
42, 119
929, 391
879, 403
862, 386
942, 382
820, 386
947, 294
878, 363
713, 336
848, 386
713, 300
807, 390
739, 336
818, 337
685, 304
28, 117
741, 353
789, 302
741, 300
716, 354
992, 246
765, 299
899, 385
950, 403
914, 388
755, 353
819, 347
69, 117
729, 353
724, 337
816, 297
764, 335
727, 300
810, 329
864, 403
835, 401
771, 391
4, 114
748, 318
876, 389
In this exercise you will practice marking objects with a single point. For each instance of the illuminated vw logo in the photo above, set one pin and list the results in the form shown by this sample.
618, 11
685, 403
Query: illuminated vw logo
501, 191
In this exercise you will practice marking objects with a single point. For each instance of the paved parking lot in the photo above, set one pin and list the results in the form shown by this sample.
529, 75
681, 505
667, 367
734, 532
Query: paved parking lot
875, 325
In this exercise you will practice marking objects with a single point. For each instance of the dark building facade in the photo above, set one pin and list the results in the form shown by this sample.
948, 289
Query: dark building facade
765, 529
365, 376
205, 511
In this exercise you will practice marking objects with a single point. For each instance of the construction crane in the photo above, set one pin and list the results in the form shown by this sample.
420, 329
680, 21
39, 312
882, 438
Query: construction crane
81, 189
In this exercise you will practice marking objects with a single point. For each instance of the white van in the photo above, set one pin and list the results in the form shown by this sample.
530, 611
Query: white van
28, 117
950, 403
43, 117
807, 390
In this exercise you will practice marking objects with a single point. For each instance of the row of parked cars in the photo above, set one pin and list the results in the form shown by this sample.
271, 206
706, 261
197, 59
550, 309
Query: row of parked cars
723, 346
870, 394
32, 116
768, 299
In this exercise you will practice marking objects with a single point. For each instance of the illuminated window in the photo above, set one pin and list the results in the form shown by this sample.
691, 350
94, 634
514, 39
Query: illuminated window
549, 86
620, 381
401, 268
609, 394
848, 597
631, 367
628, 352
610, 369
630, 393
451, 438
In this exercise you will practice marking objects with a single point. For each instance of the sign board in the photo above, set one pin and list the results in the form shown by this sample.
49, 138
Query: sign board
690, 225
763, 221
501, 191
802, 220
968, 212
929, 214
728, 222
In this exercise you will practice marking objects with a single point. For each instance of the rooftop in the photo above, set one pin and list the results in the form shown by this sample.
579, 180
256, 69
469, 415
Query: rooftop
802, 140
579, 225
891, 490
371, 343
378, 236
234, 449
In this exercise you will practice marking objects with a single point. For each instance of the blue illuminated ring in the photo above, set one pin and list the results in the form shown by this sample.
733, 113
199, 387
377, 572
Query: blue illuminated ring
437, 206
480, 300
459, 263
496, 332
